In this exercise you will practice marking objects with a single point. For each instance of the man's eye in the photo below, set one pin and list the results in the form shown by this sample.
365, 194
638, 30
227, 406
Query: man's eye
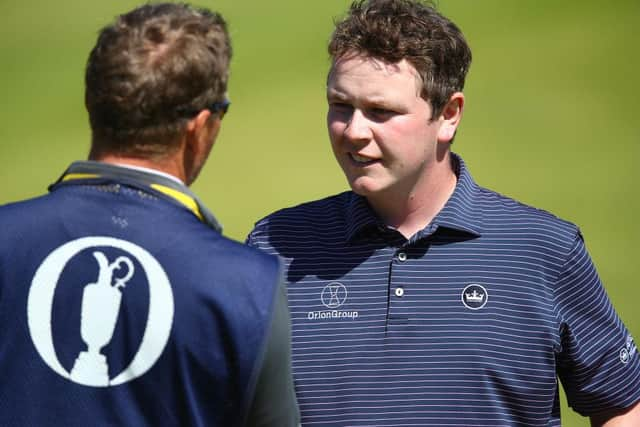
340, 106
381, 112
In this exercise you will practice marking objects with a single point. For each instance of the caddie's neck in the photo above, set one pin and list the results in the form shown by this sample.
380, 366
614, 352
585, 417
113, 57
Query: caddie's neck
170, 165
184, 160
411, 210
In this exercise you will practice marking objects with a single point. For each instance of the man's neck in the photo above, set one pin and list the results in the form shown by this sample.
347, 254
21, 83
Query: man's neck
411, 211
164, 167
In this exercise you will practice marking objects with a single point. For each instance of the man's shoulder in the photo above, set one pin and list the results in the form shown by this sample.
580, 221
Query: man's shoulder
236, 255
180, 240
321, 213
323, 222
501, 212
23, 210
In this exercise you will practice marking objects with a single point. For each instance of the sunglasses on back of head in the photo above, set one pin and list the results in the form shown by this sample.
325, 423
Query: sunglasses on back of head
219, 108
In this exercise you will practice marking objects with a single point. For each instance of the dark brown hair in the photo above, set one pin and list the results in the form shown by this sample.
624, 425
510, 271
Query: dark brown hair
393, 30
150, 71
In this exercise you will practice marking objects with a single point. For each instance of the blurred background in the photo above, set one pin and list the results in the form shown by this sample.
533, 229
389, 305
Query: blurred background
551, 113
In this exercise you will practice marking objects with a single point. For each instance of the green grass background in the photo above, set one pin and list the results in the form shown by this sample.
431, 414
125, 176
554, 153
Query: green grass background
551, 116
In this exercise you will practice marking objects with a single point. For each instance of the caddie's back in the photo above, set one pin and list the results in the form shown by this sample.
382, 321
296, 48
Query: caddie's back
118, 306
120, 301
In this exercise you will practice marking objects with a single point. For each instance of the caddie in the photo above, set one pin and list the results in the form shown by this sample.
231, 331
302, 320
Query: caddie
121, 303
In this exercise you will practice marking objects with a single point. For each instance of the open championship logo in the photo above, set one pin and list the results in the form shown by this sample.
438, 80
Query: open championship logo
101, 300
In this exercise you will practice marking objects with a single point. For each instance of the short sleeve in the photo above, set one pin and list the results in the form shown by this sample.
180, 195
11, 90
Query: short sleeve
598, 362
253, 238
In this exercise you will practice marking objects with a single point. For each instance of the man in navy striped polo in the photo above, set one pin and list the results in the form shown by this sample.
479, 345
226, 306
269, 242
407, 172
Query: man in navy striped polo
420, 298
121, 303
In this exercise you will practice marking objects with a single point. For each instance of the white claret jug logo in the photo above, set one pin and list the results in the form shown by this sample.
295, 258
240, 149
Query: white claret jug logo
101, 301
100, 308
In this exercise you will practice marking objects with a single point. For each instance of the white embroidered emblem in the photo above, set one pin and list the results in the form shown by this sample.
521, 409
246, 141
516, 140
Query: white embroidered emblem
628, 351
334, 295
101, 301
474, 296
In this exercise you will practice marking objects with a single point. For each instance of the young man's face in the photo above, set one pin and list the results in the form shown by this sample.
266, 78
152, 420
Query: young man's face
380, 128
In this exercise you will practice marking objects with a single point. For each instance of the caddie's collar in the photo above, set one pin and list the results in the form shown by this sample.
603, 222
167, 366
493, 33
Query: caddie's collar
92, 172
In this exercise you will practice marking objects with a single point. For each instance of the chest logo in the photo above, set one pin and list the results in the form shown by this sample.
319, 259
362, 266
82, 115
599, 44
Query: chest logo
72, 333
474, 296
334, 295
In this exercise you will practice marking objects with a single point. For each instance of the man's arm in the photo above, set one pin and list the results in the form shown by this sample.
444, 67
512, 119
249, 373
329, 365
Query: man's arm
274, 403
629, 417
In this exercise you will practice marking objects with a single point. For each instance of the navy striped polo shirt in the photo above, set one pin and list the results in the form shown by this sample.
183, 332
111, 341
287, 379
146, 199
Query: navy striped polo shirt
469, 322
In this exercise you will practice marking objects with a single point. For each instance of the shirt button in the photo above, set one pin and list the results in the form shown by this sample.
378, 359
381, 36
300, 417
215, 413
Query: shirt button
402, 256
399, 292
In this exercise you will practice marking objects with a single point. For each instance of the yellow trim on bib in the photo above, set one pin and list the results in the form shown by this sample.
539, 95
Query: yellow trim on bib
186, 200
71, 176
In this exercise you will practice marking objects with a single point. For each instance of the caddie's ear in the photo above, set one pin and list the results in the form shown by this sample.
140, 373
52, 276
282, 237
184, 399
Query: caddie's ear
203, 130
199, 122
451, 116
201, 133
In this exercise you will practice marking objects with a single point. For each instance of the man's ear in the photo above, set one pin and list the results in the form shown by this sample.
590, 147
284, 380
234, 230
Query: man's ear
451, 116
198, 123
201, 133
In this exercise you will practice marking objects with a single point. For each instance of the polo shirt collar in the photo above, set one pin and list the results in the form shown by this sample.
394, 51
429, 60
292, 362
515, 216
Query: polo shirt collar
360, 216
460, 213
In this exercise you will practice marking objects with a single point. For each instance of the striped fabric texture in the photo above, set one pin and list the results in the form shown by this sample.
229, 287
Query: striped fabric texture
468, 323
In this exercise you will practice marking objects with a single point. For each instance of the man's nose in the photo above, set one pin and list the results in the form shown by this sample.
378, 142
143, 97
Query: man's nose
358, 127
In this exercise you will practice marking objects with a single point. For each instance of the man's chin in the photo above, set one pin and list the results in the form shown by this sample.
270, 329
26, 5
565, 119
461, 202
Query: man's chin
364, 189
